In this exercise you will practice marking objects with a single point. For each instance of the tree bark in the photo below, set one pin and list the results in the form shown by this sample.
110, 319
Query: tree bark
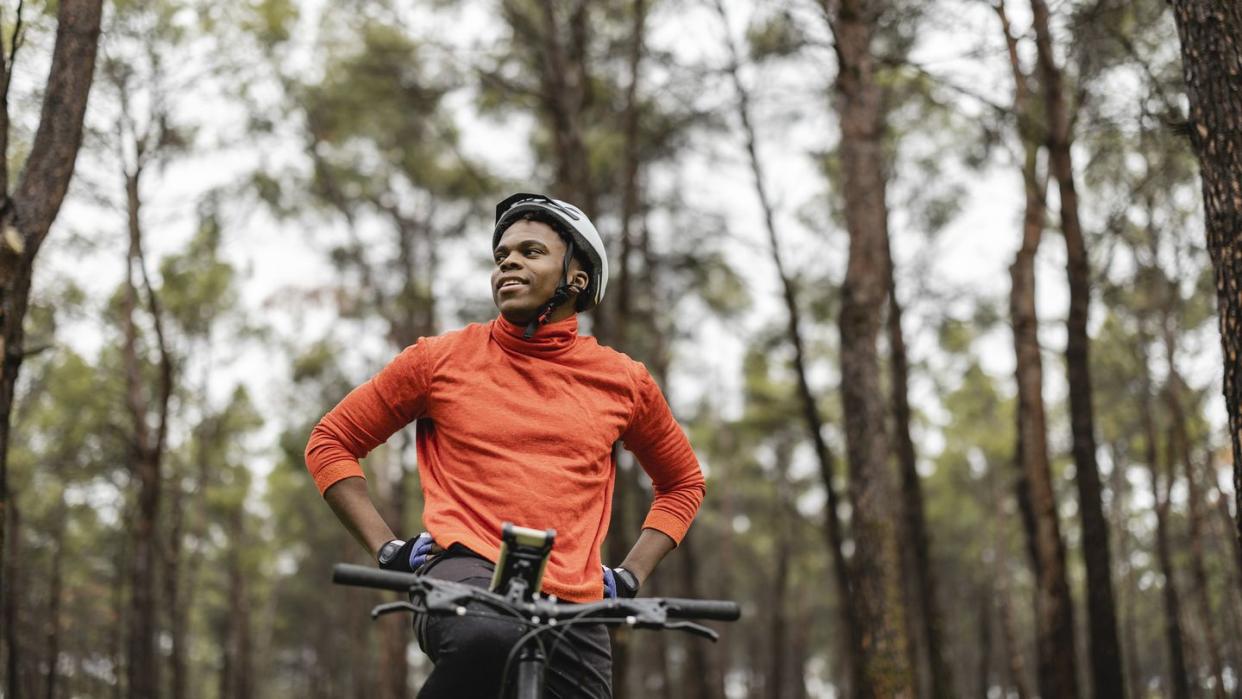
1179, 446
175, 603
1178, 677
12, 612
800, 649
983, 612
703, 677
1054, 623
923, 612
147, 450
55, 594
626, 489
1106, 674
632, 164
1232, 600
778, 590
237, 676
27, 214
883, 667
1127, 593
1211, 63
116, 635
1015, 667
809, 407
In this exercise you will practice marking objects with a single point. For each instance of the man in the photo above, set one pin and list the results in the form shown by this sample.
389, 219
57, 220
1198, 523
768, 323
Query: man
516, 420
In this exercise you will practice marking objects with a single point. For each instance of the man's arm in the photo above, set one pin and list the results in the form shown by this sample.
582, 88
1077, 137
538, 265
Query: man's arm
651, 547
663, 451
363, 420
352, 504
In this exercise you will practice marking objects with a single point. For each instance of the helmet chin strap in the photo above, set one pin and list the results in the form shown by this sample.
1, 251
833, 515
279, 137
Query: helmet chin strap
562, 294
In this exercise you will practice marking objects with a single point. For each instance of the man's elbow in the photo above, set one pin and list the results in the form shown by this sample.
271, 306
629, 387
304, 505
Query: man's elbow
688, 491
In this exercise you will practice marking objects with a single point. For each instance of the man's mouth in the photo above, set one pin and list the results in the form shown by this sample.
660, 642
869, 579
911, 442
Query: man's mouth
507, 283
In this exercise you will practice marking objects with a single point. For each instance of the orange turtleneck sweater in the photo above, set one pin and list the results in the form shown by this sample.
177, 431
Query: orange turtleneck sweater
518, 430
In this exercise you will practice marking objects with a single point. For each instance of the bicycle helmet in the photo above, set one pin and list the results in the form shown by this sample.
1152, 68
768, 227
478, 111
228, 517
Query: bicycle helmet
579, 234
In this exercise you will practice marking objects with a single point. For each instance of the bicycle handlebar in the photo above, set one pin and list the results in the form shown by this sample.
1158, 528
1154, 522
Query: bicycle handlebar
717, 610
362, 576
671, 607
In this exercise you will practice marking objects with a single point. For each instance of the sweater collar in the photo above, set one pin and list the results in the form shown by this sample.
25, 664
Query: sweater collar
548, 341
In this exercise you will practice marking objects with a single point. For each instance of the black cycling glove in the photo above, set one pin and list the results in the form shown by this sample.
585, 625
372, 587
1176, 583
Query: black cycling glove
405, 556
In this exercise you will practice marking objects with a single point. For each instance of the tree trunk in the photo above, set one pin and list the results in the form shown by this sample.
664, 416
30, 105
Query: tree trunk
147, 448
983, 612
1179, 446
237, 676
883, 668
1054, 610
1014, 671
778, 647
799, 645
177, 607
1015, 667
12, 615
632, 164
924, 620
55, 593
561, 31
116, 635
809, 407
723, 577
1178, 678
1054, 623
27, 214
395, 631
1128, 592
1233, 592
1211, 63
703, 677
565, 85
1101, 609
626, 490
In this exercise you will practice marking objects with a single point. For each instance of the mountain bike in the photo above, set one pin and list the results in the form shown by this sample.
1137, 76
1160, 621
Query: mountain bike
545, 617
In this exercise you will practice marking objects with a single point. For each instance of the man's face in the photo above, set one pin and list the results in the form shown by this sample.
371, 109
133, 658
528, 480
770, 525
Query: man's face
528, 268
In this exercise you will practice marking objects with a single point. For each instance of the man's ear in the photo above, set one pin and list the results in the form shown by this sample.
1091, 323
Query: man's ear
579, 281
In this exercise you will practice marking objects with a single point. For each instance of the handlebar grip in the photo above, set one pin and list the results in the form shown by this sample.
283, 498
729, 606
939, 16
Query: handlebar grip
363, 576
718, 610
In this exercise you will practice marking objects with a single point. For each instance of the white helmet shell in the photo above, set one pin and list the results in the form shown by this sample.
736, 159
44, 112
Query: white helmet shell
576, 223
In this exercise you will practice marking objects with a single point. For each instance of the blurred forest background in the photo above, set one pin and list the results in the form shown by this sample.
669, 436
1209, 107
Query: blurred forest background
926, 282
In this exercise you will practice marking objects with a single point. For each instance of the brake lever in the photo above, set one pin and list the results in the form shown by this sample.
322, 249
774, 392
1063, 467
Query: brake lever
391, 607
693, 628
452, 600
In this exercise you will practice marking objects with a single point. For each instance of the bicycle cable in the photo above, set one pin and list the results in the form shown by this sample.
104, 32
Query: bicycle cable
563, 628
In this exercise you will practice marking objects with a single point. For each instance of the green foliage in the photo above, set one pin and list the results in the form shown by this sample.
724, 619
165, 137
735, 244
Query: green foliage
369, 138
776, 36
271, 21
956, 336
198, 286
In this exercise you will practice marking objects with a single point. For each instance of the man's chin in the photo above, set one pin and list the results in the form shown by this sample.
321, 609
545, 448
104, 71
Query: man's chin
517, 316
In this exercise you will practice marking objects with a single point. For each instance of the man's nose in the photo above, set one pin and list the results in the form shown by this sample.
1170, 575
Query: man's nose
509, 262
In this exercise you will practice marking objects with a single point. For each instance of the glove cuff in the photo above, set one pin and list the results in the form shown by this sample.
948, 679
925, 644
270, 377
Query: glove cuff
388, 554
627, 582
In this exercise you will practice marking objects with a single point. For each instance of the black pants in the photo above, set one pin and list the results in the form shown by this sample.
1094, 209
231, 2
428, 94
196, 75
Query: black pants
469, 653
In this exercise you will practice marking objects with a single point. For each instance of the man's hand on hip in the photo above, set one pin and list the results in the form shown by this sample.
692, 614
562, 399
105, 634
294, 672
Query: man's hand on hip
405, 556
619, 582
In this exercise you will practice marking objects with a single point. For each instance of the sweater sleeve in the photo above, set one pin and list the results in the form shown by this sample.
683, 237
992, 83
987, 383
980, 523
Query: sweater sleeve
662, 449
368, 416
